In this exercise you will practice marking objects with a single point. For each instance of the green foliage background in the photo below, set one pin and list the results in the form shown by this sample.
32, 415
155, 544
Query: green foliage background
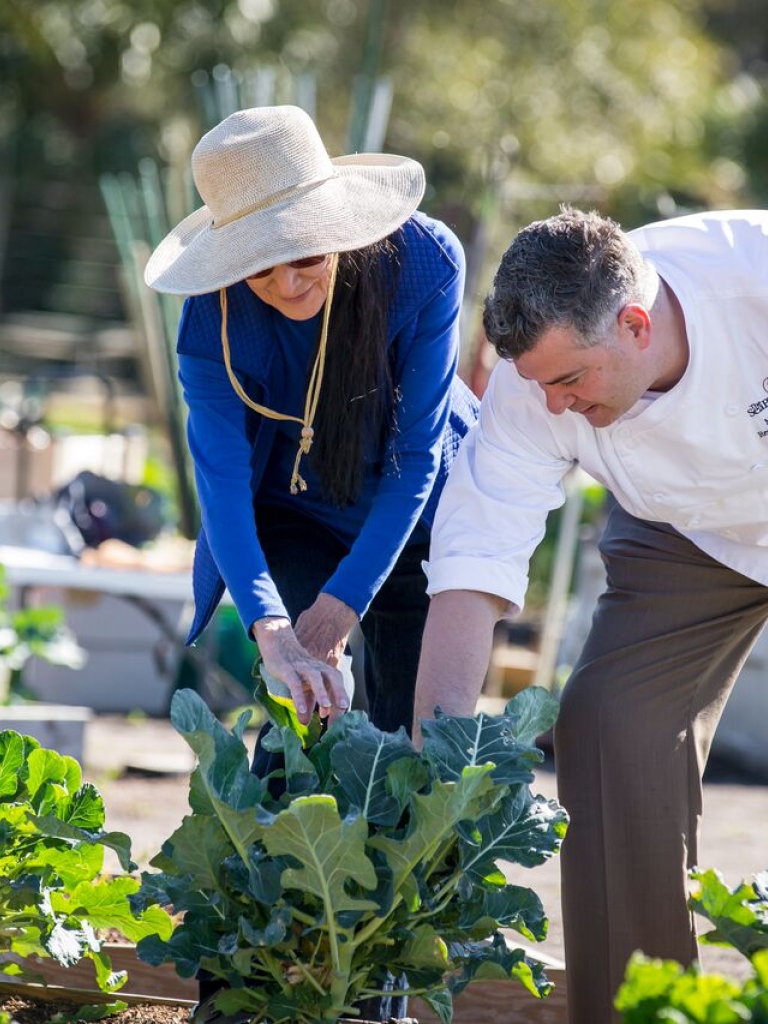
643, 111
513, 106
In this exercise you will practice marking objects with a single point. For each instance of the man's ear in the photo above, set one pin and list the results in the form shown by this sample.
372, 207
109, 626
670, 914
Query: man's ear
636, 319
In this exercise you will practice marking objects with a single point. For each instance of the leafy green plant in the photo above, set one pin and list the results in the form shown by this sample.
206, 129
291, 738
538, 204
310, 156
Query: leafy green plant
31, 632
739, 915
53, 898
656, 991
662, 990
369, 858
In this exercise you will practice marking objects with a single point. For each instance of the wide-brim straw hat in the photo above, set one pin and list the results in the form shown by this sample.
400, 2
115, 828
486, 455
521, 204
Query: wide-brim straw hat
272, 194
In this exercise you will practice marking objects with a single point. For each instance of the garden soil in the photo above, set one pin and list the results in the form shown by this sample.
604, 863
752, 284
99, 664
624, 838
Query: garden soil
29, 1011
141, 767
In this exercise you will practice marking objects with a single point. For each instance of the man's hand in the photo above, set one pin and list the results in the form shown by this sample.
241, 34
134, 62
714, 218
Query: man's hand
455, 653
311, 680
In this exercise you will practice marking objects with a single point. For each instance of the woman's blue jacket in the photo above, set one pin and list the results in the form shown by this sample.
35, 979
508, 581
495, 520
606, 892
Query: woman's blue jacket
233, 448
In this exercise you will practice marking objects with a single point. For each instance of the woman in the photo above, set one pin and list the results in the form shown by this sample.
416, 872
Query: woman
317, 352
318, 355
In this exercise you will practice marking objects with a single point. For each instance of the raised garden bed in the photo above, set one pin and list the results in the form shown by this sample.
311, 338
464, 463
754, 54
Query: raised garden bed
157, 995
487, 1002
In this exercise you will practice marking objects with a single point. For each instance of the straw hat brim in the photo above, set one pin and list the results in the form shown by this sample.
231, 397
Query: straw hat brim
369, 196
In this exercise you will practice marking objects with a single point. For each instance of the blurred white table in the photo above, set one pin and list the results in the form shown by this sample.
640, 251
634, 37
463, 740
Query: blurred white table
26, 567
134, 647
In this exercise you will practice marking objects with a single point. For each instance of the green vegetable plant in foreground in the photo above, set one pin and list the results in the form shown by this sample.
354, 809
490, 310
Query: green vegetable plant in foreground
53, 898
662, 990
375, 858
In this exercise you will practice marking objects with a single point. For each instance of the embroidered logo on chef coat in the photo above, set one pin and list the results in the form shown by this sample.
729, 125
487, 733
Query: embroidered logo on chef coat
758, 407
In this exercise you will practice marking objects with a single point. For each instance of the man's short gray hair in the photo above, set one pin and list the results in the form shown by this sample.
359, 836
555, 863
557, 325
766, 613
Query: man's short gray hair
573, 270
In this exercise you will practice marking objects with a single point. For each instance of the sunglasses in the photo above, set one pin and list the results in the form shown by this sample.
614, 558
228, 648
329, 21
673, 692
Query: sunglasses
308, 261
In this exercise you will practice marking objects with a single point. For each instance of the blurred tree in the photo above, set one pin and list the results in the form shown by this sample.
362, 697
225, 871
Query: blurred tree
743, 26
512, 106
521, 106
739, 123
524, 96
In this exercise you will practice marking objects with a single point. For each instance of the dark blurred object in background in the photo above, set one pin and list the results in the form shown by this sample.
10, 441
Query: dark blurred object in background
104, 509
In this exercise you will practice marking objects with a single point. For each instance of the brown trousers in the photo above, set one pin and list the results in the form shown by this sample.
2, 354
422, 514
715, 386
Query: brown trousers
668, 639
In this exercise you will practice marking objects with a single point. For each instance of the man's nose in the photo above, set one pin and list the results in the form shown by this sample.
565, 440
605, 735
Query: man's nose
559, 399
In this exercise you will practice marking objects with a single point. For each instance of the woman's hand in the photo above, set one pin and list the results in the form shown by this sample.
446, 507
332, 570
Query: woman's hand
311, 680
323, 629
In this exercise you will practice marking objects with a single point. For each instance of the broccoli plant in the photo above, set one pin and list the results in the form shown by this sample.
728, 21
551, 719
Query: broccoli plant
364, 859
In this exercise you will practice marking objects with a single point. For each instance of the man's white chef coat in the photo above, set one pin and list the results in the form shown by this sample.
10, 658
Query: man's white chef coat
695, 457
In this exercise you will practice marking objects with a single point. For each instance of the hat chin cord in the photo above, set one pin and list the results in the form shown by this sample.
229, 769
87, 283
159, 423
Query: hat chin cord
313, 387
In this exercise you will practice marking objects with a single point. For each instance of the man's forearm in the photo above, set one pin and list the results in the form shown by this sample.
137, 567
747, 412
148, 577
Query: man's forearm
455, 653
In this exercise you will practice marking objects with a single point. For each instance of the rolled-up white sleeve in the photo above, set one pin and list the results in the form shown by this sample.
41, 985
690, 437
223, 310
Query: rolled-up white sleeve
506, 479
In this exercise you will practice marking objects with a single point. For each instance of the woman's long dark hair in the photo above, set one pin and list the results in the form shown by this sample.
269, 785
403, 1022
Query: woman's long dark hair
357, 401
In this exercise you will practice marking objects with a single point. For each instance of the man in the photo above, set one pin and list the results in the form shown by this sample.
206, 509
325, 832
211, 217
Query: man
643, 357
